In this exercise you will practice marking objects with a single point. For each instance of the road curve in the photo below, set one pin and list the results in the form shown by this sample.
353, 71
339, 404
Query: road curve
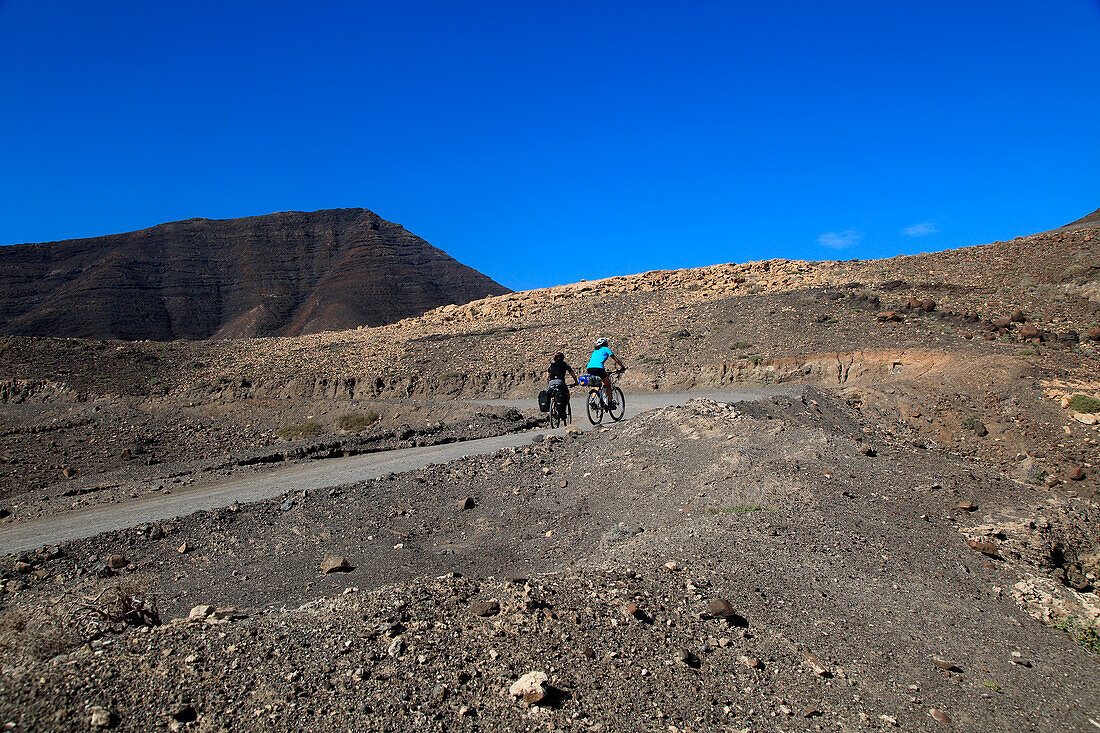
313, 475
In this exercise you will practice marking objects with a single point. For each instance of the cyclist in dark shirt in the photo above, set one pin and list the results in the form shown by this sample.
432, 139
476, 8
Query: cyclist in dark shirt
555, 378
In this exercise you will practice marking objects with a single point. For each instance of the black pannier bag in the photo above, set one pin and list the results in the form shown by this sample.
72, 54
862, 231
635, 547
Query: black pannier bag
544, 401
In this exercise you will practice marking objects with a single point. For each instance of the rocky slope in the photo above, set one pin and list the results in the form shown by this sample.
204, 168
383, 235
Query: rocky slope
288, 273
759, 566
895, 545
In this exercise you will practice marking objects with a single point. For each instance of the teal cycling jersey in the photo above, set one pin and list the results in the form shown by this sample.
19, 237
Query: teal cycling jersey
599, 358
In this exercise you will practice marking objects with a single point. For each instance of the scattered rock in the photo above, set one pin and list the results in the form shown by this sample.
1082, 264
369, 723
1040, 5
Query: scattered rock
1017, 316
946, 664
485, 608
968, 506
670, 567
335, 564
889, 316
1029, 331
688, 657
68, 472
397, 647
986, 548
531, 687
1077, 474
721, 608
1086, 418
1094, 333
866, 450
750, 662
815, 665
22, 567
185, 714
939, 716
466, 504
101, 718
184, 548
116, 562
199, 613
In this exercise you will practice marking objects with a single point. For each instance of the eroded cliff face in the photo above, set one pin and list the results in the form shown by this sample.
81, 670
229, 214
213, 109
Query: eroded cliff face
283, 274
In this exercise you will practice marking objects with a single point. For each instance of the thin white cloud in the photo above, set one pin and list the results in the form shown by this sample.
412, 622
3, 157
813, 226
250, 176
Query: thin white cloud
922, 229
839, 240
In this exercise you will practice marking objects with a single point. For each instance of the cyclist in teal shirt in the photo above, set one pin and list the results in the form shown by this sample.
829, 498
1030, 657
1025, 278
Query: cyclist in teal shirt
596, 367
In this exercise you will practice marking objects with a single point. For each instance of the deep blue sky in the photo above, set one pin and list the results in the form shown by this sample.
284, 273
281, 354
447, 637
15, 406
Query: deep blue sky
542, 143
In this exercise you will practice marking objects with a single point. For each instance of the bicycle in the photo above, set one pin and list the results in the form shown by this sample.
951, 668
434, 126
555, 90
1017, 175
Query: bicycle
596, 405
558, 415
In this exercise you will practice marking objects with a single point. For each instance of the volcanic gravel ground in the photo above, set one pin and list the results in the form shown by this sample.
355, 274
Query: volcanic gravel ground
854, 599
60, 456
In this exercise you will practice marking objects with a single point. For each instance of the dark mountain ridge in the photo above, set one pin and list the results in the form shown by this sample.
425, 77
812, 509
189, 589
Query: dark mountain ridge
283, 274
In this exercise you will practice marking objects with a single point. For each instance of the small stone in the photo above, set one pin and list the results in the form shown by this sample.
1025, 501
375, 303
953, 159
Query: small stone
815, 665
68, 472
335, 564
467, 504
563, 484
1030, 331
631, 610
866, 450
23, 567
1086, 418
184, 549
485, 608
889, 316
440, 692
939, 716
538, 438
100, 717
287, 505
721, 608
1077, 474
397, 648
573, 430
116, 562
986, 548
671, 566
531, 687
889, 720
686, 656
185, 714
968, 506
750, 662
198, 613
1017, 316
946, 664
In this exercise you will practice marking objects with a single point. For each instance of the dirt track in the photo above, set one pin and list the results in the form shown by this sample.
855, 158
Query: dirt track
301, 476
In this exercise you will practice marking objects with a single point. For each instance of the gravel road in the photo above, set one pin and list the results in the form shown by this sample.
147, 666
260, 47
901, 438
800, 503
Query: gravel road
312, 475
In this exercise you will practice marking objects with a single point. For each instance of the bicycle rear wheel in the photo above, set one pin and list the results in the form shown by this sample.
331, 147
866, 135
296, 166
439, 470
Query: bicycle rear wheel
619, 408
594, 405
555, 414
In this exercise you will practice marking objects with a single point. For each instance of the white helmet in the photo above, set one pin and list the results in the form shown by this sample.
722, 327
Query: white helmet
601, 343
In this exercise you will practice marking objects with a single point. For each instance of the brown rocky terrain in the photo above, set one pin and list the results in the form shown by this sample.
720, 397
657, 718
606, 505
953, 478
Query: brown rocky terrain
908, 542
288, 274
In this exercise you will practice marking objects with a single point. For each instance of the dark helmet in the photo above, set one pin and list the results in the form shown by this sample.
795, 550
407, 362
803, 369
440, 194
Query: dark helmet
559, 356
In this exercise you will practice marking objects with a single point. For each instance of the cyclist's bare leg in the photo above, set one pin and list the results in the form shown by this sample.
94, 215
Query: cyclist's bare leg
607, 388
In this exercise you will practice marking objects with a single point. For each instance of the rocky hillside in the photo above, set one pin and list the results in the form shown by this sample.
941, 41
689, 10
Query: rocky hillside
283, 274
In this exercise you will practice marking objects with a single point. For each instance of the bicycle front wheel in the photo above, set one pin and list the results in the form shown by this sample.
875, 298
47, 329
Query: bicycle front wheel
618, 408
595, 407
